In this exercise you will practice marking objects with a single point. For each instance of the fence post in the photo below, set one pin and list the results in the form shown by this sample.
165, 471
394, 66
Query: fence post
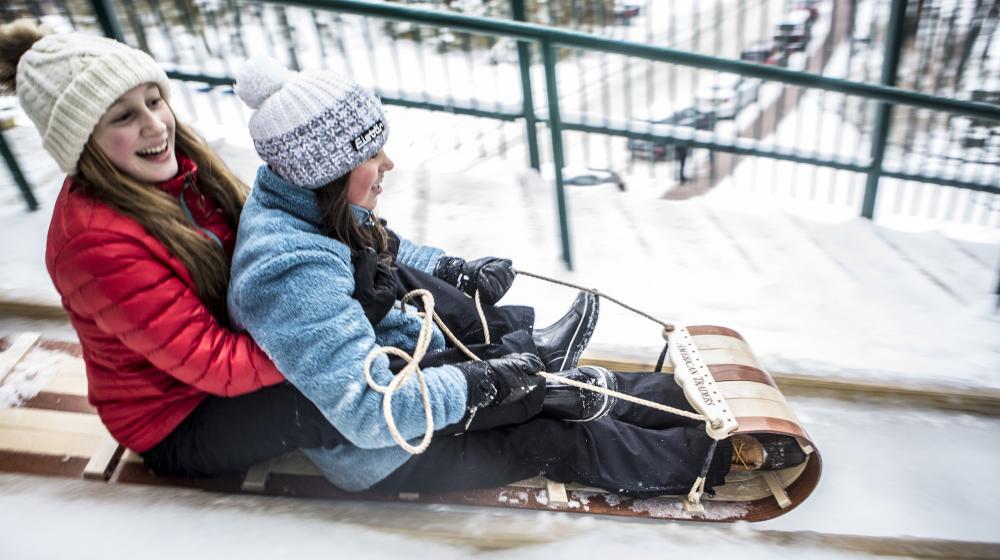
105, 12
883, 111
15, 171
528, 103
555, 127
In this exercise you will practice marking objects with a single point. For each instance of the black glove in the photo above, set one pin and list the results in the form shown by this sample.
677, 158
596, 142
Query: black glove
490, 275
374, 285
500, 380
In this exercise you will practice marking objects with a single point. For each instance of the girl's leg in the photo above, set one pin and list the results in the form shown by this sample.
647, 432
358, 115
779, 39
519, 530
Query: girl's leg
657, 387
606, 454
224, 435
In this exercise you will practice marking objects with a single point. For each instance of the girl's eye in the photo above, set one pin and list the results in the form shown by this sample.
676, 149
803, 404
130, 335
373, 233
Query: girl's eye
122, 117
154, 102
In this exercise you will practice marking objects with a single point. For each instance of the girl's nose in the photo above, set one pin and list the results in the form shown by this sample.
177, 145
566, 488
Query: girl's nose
387, 163
152, 123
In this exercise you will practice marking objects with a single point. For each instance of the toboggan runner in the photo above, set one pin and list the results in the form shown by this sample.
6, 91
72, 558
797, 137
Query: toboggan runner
57, 432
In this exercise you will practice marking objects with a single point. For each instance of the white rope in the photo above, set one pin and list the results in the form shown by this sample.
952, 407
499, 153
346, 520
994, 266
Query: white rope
423, 341
482, 318
412, 368
694, 496
622, 396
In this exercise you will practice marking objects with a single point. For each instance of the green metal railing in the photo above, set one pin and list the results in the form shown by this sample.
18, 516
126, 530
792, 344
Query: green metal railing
549, 41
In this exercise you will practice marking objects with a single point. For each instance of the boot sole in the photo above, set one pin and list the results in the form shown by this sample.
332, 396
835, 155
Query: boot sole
609, 401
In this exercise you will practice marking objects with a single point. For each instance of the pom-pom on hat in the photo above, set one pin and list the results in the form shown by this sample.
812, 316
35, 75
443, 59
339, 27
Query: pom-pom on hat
66, 82
310, 127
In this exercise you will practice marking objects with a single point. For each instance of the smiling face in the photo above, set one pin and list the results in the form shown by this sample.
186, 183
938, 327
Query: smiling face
365, 181
137, 135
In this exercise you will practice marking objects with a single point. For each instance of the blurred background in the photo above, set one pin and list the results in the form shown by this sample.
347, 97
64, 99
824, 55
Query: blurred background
821, 175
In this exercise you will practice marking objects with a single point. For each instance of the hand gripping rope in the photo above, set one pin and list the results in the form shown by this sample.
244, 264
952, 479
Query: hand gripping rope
690, 371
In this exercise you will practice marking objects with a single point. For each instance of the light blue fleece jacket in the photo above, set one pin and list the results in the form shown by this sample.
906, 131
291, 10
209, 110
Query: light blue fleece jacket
291, 290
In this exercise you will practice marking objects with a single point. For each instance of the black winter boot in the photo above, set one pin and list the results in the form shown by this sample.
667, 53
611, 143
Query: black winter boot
565, 402
765, 452
561, 343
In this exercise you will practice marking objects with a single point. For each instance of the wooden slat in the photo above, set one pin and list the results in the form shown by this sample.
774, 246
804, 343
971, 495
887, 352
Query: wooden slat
60, 401
71, 348
61, 444
774, 485
718, 342
103, 460
39, 464
40, 420
698, 330
18, 348
761, 407
67, 382
751, 485
750, 390
733, 372
726, 356
557, 494
777, 425
255, 480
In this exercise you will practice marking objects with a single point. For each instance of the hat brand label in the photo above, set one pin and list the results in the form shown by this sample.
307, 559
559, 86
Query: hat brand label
367, 136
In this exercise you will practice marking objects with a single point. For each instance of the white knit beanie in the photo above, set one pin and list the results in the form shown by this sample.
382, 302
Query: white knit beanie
66, 82
310, 127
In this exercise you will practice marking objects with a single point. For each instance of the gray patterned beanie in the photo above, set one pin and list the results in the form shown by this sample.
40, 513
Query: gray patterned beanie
310, 127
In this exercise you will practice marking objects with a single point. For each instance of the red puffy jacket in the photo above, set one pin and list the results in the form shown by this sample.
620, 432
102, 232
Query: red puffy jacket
153, 351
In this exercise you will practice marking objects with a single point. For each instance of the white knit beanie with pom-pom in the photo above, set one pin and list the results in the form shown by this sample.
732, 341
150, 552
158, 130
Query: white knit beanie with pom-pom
66, 82
310, 127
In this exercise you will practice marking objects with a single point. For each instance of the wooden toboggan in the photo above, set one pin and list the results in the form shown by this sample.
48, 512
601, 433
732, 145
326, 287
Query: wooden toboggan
56, 432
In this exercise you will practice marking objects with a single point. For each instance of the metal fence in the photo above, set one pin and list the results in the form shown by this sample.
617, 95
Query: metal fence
636, 88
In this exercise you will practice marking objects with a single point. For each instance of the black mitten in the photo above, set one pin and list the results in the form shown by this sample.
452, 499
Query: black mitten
492, 276
500, 380
374, 285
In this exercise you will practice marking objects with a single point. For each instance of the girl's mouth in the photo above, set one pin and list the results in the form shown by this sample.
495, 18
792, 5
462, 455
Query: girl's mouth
156, 152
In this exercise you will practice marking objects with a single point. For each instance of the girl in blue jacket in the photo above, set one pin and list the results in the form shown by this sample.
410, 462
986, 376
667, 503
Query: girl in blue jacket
315, 277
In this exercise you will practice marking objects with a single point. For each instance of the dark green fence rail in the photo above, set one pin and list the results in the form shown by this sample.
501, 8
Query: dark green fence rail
541, 102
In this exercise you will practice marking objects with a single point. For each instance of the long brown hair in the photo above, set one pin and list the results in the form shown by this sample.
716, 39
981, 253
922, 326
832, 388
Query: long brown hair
339, 221
162, 217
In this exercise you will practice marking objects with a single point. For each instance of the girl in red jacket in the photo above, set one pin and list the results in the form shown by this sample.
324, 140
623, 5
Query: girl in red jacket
139, 249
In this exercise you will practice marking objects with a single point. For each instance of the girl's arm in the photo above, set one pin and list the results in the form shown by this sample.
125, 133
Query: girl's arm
421, 257
490, 276
296, 302
132, 294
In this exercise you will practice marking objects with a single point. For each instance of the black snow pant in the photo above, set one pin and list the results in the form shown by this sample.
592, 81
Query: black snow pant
230, 434
635, 450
